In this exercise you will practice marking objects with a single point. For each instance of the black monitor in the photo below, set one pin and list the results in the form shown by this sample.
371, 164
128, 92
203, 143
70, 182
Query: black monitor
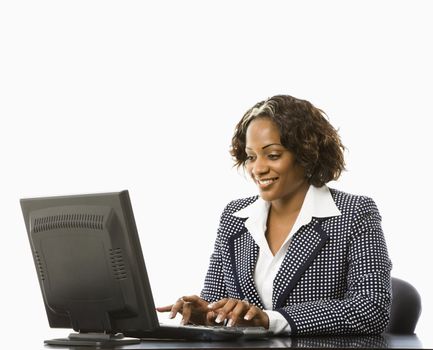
90, 266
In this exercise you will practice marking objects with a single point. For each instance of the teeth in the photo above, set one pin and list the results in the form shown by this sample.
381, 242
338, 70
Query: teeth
267, 181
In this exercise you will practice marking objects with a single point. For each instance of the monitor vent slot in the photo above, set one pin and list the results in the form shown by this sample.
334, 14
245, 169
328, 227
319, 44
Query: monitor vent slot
39, 266
118, 264
86, 221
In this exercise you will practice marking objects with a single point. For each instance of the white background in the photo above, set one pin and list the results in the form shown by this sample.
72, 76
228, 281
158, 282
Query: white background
104, 96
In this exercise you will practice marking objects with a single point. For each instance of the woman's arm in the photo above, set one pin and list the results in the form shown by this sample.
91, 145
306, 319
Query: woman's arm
214, 286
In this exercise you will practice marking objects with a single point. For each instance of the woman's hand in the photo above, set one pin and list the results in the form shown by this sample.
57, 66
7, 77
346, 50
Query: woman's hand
193, 309
239, 313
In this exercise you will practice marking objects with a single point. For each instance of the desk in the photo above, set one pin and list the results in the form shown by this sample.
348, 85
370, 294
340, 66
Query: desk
386, 341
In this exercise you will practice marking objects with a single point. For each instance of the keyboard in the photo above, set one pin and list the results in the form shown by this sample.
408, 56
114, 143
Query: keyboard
203, 333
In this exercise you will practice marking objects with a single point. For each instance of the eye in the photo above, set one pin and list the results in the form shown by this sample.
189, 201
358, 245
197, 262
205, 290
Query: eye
249, 158
273, 156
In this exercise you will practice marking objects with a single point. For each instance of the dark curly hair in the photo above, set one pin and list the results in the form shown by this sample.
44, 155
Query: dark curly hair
304, 131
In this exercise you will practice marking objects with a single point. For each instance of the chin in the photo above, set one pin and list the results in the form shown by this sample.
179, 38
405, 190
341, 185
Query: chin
267, 196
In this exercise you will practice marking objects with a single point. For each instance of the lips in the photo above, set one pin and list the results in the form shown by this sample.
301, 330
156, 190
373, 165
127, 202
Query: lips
266, 182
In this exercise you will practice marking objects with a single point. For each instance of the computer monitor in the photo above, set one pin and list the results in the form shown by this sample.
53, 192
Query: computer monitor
90, 266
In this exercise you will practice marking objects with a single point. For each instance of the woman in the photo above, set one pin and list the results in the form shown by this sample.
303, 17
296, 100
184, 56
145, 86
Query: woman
300, 258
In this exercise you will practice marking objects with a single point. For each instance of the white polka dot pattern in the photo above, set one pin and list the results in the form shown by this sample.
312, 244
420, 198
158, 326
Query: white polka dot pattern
334, 279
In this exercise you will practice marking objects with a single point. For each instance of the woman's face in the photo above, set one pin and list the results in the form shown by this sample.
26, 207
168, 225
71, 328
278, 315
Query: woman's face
270, 164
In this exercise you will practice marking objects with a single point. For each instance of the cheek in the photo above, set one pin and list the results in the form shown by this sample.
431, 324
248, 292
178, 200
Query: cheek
284, 170
291, 174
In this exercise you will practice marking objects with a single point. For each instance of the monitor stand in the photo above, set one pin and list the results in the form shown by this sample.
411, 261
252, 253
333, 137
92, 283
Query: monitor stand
93, 339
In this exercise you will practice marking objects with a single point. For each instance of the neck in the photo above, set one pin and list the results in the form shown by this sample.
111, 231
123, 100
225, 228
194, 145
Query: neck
292, 203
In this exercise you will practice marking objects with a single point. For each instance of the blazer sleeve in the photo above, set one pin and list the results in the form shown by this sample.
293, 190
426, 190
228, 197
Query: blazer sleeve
214, 285
365, 307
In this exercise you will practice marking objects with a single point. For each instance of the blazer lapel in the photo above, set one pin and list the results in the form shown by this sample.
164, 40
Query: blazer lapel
305, 246
243, 254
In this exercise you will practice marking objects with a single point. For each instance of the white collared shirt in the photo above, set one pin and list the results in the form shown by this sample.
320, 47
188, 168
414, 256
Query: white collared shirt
318, 202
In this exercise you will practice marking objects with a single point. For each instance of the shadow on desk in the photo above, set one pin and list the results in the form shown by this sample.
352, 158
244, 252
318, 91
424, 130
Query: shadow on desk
374, 341
384, 341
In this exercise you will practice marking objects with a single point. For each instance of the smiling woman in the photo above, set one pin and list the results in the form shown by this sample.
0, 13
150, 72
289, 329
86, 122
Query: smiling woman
299, 258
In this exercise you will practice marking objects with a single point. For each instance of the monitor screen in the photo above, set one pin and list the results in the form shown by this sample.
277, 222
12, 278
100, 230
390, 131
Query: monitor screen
89, 263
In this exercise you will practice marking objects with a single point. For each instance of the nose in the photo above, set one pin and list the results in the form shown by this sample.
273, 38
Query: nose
260, 167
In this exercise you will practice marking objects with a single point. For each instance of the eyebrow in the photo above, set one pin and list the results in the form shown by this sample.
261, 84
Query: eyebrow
271, 144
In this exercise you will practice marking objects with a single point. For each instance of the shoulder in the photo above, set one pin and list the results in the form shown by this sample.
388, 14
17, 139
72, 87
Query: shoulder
229, 223
354, 205
238, 204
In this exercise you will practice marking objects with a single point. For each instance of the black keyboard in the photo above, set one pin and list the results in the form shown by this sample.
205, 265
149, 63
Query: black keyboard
203, 333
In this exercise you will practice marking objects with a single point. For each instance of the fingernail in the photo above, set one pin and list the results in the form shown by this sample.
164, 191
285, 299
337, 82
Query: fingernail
210, 306
171, 315
182, 322
219, 319
247, 317
230, 323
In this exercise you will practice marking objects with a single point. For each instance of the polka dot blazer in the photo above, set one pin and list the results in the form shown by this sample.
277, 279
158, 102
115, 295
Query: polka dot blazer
334, 279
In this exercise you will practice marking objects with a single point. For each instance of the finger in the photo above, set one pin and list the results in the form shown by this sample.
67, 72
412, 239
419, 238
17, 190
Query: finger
191, 298
186, 313
164, 308
210, 317
195, 299
238, 311
251, 313
177, 307
228, 307
217, 304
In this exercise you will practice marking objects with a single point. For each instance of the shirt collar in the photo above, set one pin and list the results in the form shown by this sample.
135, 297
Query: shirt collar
318, 203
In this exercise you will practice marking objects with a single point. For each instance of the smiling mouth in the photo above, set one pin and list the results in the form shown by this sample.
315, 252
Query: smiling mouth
266, 182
